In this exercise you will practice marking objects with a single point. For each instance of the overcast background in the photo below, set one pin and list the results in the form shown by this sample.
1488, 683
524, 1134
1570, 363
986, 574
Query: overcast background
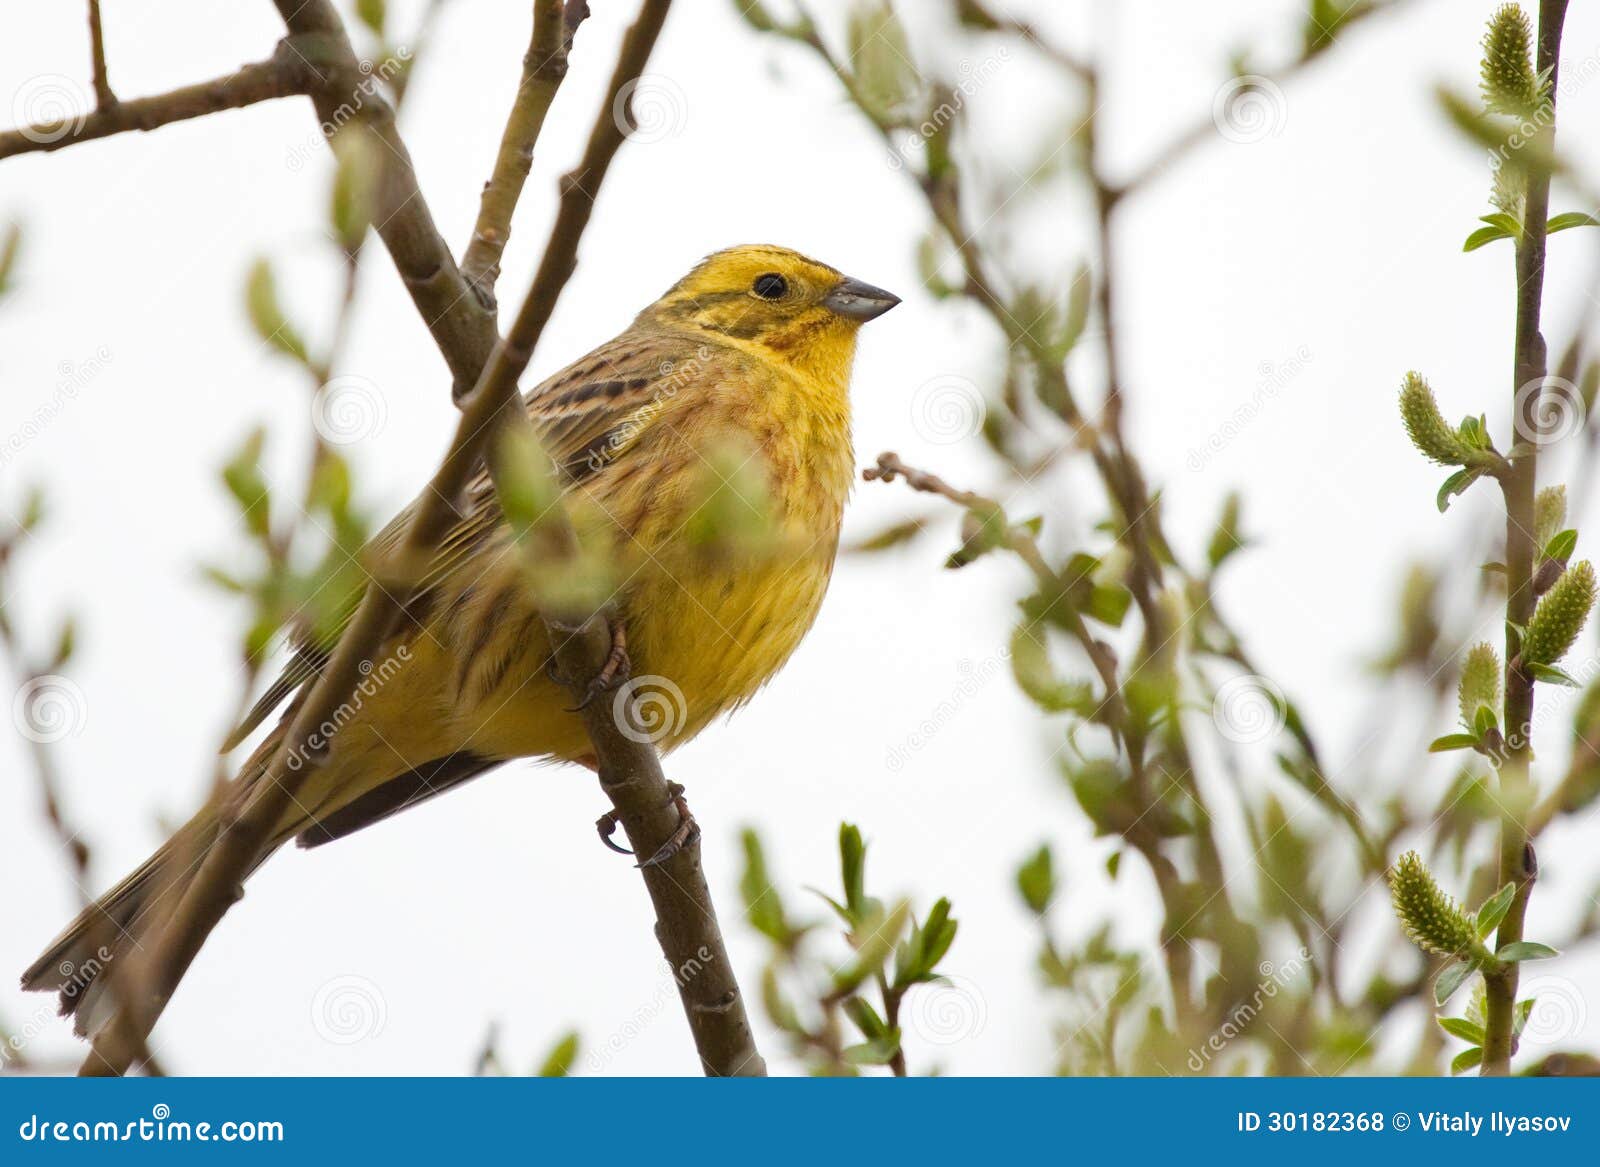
1331, 245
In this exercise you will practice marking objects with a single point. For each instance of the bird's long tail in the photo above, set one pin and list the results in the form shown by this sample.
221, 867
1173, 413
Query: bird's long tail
79, 965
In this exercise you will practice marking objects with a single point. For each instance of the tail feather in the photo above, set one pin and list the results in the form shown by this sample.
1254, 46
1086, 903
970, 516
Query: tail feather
77, 965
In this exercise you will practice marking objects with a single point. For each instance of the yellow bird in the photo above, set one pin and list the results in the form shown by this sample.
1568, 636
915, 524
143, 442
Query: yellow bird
727, 396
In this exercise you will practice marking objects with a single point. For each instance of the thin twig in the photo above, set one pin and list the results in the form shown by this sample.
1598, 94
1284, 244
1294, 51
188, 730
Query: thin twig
543, 67
103, 95
1517, 863
281, 75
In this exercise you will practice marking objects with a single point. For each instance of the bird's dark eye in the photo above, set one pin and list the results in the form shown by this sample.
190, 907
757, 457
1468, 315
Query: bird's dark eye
770, 286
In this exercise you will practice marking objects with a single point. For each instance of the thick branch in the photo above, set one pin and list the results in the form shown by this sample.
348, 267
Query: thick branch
282, 75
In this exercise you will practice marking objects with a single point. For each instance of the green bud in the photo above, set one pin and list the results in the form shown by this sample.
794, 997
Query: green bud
1560, 616
1508, 81
1480, 683
1549, 515
1434, 921
10, 247
1426, 426
355, 186
372, 13
266, 314
1036, 880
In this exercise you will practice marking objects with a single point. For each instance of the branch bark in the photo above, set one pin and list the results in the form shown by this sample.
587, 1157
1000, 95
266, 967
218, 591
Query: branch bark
543, 68
486, 375
281, 75
1517, 863
103, 93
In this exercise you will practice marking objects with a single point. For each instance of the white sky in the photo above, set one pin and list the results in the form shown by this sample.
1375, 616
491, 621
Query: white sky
1334, 243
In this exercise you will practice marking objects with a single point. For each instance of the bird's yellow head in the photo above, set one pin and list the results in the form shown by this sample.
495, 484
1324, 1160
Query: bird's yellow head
777, 301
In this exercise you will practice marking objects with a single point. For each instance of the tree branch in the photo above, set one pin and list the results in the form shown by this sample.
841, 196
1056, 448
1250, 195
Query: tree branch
543, 68
281, 75
1517, 863
103, 94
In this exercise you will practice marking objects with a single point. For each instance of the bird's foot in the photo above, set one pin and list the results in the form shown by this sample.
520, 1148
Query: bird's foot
616, 669
607, 824
687, 834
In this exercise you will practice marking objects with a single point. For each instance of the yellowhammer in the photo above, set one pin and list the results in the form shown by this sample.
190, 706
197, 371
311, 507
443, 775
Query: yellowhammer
739, 373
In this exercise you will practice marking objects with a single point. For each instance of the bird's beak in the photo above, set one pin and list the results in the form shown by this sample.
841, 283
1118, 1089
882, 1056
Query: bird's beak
856, 300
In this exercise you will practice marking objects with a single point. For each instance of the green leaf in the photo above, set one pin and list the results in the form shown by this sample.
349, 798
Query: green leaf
853, 870
1519, 1018
1569, 220
1108, 604
1494, 909
878, 1052
1553, 675
1454, 485
266, 314
1484, 235
1465, 1060
1452, 741
1520, 950
1562, 546
1450, 980
1462, 1028
560, 1058
860, 1010
1036, 880
1484, 721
